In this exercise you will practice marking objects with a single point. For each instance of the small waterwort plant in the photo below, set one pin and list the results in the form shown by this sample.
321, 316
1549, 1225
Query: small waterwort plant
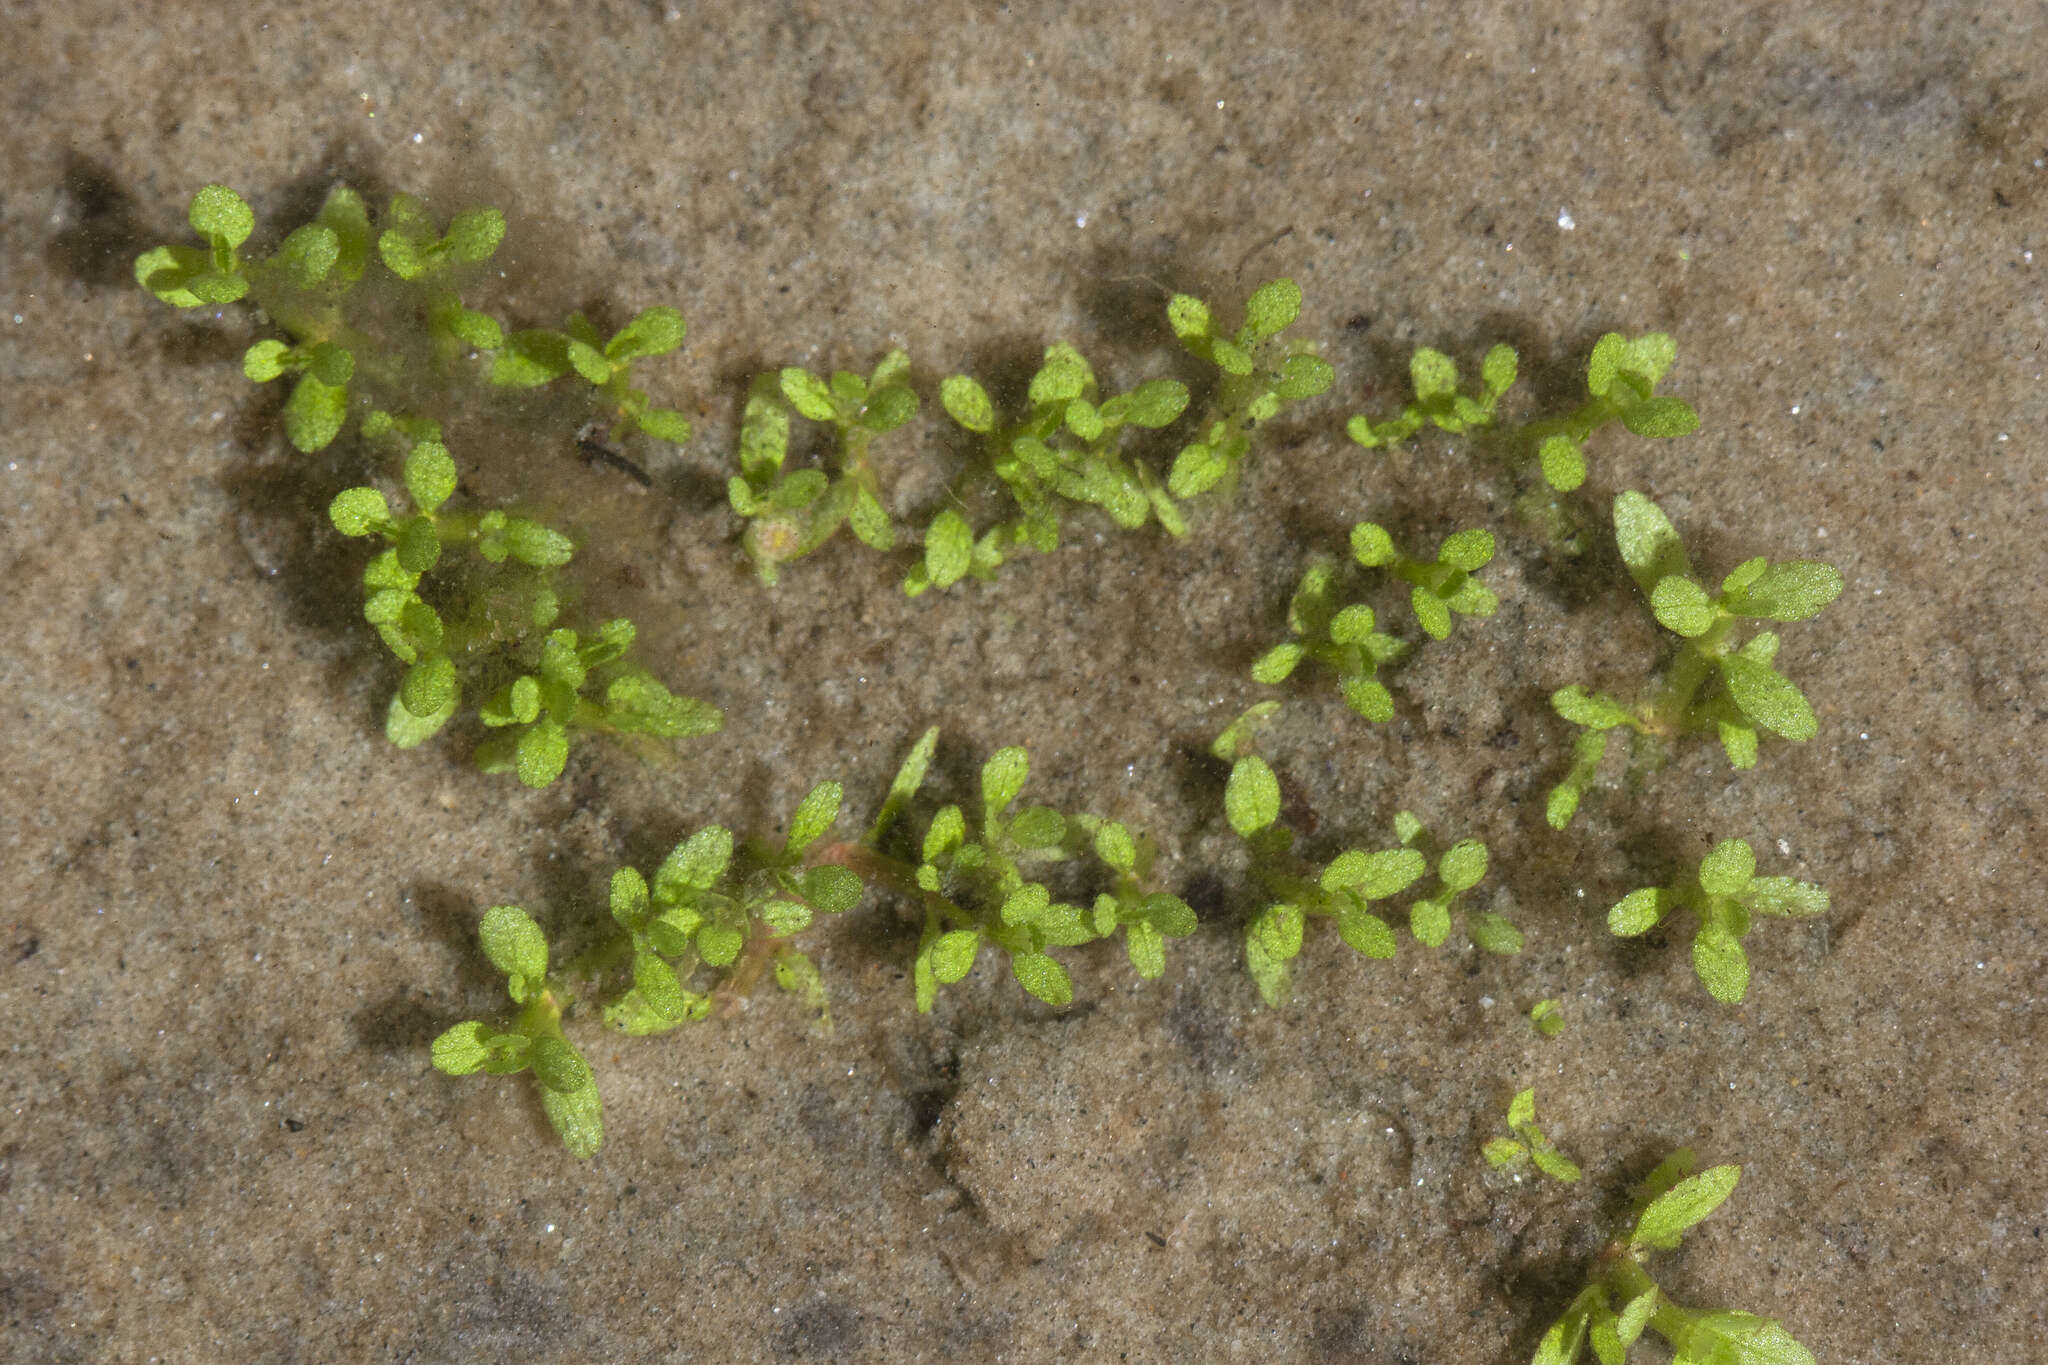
1621, 1302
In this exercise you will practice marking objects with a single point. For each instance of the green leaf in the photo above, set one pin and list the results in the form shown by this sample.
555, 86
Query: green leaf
266, 360
577, 1117
629, 903
1545, 1018
1672, 1213
430, 688
1734, 1338
1796, 590
1768, 697
1114, 845
514, 944
1493, 933
1146, 949
814, 815
1648, 542
1374, 876
945, 833
718, 945
782, 916
808, 394
314, 414
1462, 866
1237, 737
1430, 922
1366, 932
1156, 403
1661, 417
461, 1050
657, 984
953, 954
1189, 317
1639, 911
1063, 377
1251, 799
636, 703
1682, 605
1636, 1316
904, 785
1196, 470
359, 511
1002, 778
430, 475
967, 403
833, 890
1563, 463
948, 548
1590, 709
1727, 870
1276, 931
1272, 308
653, 331
1372, 546
1784, 896
1722, 966
1468, 550
664, 424
406, 730
218, 211
1498, 370
1739, 741
1434, 374
1043, 977
1038, 827
543, 752
1277, 663
1368, 698
695, 864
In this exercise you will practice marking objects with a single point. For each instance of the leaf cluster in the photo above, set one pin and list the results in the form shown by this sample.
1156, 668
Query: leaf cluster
1622, 375
706, 907
1259, 373
536, 356
791, 512
497, 602
1621, 1302
1347, 887
1065, 448
310, 287
1528, 1145
1712, 682
535, 1042
1726, 895
971, 881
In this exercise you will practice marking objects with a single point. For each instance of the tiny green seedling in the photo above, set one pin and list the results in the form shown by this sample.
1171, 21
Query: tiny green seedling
704, 906
1437, 400
1260, 374
1751, 696
1440, 589
707, 907
1345, 638
1345, 889
793, 512
1528, 1145
1726, 895
502, 602
1621, 382
535, 1041
1620, 1301
1066, 448
969, 879
538, 356
1547, 1018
